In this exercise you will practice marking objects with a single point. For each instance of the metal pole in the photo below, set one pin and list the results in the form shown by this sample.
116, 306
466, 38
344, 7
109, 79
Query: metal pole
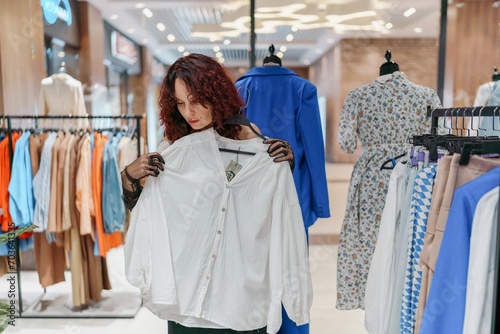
253, 37
442, 48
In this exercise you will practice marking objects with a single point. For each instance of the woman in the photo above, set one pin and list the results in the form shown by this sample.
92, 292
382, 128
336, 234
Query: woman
197, 94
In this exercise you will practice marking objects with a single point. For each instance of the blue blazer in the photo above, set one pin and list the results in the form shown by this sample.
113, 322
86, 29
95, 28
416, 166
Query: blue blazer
285, 106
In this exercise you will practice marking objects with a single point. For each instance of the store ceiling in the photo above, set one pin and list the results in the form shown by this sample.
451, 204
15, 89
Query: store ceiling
178, 26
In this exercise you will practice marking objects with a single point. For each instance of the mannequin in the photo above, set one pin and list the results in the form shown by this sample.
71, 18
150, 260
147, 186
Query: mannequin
389, 66
271, 59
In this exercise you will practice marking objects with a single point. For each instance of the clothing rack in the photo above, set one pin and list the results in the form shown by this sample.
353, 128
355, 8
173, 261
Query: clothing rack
8, 118
463, 112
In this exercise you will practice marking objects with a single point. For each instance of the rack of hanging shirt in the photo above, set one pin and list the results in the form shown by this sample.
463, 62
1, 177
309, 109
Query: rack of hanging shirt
64, 177
435, 268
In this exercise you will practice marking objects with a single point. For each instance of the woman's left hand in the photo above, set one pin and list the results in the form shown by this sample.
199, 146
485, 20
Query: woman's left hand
280, 150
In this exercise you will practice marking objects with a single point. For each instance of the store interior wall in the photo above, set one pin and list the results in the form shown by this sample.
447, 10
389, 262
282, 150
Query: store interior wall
22, 63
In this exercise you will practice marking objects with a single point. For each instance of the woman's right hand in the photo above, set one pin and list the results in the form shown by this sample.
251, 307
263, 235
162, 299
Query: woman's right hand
146, 165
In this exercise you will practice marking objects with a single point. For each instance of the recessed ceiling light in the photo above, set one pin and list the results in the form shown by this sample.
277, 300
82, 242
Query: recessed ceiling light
227, 42
280, 54
218, 54
389, 25
181, 48
216, 48
294, 29
212, 39
113, 17
417, 30
330, 41
185, 54
147, 12
307, 62
409, 12
139, 5
171, 37
283, 48
319, 51
61, 54
131, 30
221, 60
160, 26
289, 37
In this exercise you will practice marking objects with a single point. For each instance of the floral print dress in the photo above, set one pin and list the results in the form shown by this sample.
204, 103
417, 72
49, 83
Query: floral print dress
383, 115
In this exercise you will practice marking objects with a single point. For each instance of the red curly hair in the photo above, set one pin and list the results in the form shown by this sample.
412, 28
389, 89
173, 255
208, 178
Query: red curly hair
210, 84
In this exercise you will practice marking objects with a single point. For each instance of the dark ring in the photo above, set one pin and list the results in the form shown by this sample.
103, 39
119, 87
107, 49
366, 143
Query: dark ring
151, 161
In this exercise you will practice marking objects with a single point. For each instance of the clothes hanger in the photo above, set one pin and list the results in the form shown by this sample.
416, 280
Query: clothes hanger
271, 59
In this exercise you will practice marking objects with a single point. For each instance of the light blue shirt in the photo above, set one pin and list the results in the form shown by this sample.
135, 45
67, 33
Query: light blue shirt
113, 208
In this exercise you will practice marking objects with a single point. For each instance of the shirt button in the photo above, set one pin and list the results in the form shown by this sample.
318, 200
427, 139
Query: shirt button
223, 209
219, 232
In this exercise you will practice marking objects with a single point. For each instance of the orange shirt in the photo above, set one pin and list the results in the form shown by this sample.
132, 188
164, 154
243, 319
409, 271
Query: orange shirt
6, 219
105, 241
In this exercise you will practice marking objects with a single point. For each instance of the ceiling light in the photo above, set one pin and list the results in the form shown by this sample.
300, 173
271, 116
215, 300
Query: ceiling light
409, 12
180, 48
147, 12
280, 54
171, 37
61, 54
131, 30
417, 30
212, 39
289, 37
389, 25
113, 17
139, 5
216, 48
307, 62
218, 54
227, 42
330, 41
221, 60
283, 48
319, 51
496, 4
160, 26
461, 4
185, 54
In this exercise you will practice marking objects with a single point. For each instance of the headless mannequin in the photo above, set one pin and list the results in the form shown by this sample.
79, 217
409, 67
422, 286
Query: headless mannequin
389, 66
271, 59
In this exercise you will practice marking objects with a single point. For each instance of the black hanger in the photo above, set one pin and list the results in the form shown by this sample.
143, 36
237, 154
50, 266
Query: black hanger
392, 160
271, 59
235, 151
239, 119
389, 66
496, 75
484, 147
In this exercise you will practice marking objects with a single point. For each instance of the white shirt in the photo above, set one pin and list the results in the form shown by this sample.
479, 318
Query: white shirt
481, 272
206, 252
381, 280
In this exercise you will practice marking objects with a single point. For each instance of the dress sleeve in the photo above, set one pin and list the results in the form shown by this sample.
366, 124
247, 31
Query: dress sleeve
348, 126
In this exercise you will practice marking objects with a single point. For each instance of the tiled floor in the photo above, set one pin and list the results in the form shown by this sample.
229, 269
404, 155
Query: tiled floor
325, 319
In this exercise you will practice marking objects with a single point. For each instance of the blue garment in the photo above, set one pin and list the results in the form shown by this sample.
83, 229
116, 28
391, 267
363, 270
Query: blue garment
113, 209
419, 213
285, 106
445, 309
490, 125
21, 197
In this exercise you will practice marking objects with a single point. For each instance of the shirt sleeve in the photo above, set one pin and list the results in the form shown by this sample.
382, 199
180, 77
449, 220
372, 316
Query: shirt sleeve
290, 279
348, 124
137, 248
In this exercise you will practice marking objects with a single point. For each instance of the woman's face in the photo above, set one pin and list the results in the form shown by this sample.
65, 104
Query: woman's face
198, 117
